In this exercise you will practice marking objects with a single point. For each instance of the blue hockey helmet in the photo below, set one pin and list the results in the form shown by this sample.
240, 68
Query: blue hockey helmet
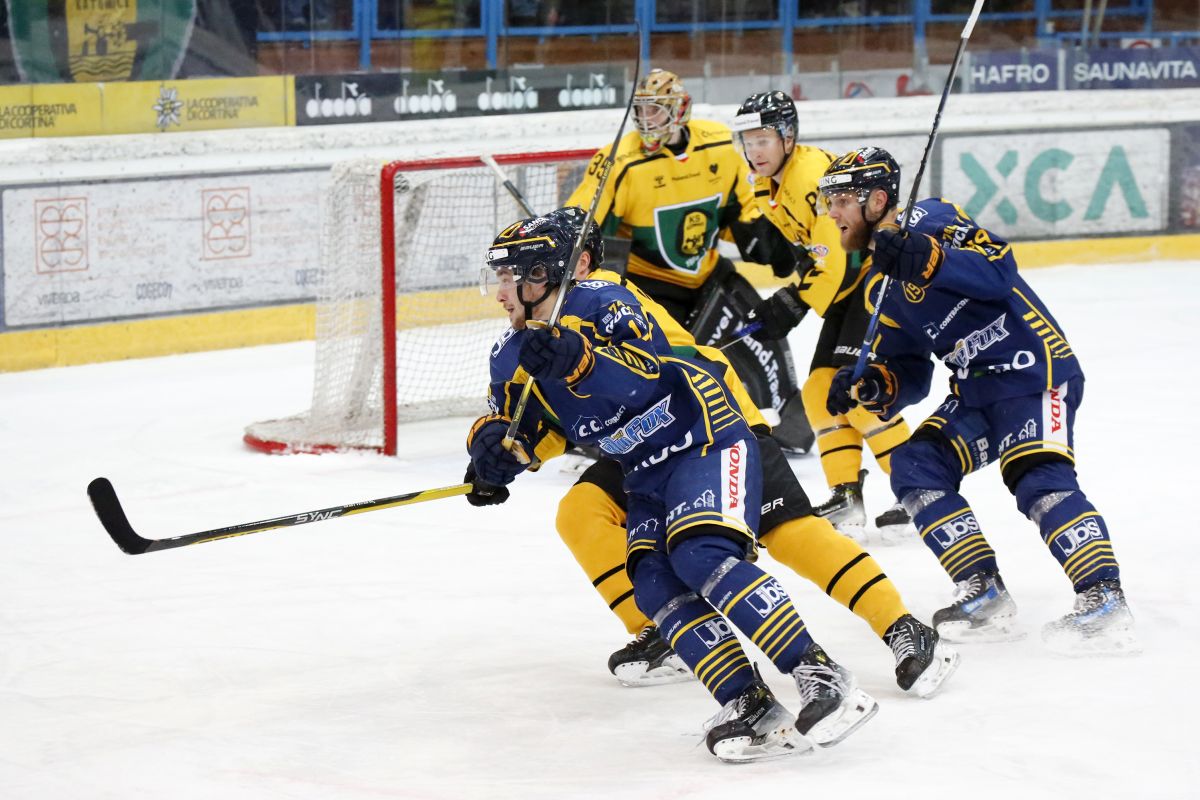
862, 171
593, 243
535, 250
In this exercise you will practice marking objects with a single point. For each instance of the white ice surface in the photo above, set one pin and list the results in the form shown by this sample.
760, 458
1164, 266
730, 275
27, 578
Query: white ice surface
442, 651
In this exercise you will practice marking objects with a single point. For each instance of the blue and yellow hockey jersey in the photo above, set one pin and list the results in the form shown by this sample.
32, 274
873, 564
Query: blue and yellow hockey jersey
977, 315
639, 403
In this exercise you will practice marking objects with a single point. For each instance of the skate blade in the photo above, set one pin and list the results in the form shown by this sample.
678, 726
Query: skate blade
1000, 629
851, 715
1120, 643
930, 682
782, 743
636, 675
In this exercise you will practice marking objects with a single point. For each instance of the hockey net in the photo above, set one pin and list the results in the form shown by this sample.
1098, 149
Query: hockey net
402, 331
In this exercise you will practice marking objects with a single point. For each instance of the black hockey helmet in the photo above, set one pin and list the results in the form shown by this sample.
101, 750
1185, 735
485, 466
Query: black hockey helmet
593, 243
861, 171
536, 250
773, 110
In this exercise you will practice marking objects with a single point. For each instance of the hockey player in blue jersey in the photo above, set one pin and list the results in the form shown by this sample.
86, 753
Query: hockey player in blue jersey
603, 376
1015, 389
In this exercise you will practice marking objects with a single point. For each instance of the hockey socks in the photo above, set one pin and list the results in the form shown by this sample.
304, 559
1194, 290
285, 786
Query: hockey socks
706, 644
1070, 525
760, 607
839, 566
949, 529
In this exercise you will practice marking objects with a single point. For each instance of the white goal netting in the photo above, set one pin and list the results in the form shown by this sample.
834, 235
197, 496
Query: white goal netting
442, 215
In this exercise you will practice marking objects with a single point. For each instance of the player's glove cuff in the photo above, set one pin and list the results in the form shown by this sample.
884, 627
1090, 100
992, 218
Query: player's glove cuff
557, 353
914, 258
878, 389
493, 464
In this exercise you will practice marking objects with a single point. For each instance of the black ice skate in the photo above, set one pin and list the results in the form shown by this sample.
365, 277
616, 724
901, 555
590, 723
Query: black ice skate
1101, 624
832, 706
982, 611
923, 661
648, 661
754, 726
845, 509
895, 525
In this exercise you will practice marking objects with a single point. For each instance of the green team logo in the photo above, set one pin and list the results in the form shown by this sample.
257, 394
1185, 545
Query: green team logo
60, 41
686, 231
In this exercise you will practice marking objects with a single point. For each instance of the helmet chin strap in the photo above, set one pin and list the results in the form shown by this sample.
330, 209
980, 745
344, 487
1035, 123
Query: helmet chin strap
530, 305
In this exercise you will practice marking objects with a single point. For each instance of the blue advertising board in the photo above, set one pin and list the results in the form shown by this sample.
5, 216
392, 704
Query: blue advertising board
1134, 68
1014, 71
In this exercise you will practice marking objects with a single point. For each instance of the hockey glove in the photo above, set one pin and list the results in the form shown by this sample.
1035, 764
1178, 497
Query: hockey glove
556, 353
910, 257
493, 464
483, 493
778, 314
876, 391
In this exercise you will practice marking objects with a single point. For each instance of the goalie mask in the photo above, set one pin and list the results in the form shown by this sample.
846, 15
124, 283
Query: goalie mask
661, 107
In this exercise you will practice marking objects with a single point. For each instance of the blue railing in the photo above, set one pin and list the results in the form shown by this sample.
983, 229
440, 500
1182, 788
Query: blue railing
365, 27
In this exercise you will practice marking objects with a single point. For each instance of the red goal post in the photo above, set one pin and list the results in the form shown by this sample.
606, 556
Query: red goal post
402, 331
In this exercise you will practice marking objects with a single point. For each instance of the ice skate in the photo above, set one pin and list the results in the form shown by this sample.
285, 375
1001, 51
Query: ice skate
845, 509
982, 611
832, 705
923, 661
648, 661
754, 726
895, 526
1101, 624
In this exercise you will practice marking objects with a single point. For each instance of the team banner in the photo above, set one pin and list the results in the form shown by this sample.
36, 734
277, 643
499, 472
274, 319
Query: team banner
93, 252
198, 105
88, 41
1013, 71
1135, 68
333, 99
1059, 185
50, 109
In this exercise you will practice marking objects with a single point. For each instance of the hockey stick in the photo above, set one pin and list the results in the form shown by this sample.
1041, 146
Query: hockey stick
513, 190
860, 366
510, 436
112, 517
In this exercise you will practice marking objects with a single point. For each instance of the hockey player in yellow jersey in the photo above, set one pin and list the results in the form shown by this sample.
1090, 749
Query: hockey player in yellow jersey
592, 517
830, 283
677, 185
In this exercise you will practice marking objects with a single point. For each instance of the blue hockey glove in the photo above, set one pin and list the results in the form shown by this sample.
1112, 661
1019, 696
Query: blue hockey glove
778, 314
910, 257
876, 391
493, 464
483, 493
556, 353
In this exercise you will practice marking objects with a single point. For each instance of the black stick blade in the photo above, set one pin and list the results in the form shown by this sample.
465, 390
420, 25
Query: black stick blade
112, 517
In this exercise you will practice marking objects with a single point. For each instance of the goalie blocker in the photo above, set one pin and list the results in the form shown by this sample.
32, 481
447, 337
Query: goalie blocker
764, 367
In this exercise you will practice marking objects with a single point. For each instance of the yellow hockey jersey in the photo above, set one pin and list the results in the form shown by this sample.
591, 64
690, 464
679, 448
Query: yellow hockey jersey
791, 206
672, 206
